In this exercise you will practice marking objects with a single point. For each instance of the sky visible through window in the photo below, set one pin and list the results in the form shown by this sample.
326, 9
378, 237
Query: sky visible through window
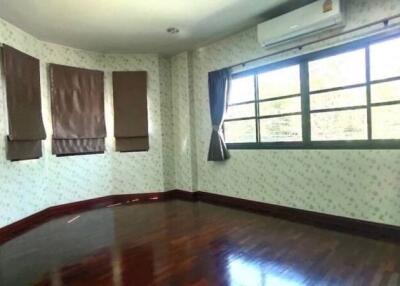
346, 97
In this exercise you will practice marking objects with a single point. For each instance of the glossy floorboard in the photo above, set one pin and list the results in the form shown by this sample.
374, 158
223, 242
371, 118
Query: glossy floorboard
192, 243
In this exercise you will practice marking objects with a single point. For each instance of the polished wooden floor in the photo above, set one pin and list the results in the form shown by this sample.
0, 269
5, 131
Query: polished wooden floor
192, 243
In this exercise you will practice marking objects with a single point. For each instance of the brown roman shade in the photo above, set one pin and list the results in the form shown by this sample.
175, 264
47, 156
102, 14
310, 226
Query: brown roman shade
130, 111
26, 129
77, 105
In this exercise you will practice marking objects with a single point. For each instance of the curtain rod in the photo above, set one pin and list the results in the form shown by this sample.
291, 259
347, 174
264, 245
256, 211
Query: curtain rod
384, 21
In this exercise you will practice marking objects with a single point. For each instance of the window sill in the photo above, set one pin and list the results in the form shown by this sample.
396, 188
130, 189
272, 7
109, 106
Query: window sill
319, 145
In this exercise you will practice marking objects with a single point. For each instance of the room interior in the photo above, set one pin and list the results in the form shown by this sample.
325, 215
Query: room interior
127, 165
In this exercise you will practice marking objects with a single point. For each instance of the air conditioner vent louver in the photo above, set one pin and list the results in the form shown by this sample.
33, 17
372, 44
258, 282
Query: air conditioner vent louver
316, 17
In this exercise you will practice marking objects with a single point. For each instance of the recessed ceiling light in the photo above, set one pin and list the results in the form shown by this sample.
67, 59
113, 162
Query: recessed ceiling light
173, 30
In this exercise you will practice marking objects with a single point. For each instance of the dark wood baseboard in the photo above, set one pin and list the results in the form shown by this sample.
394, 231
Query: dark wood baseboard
14, 229
333, 222
183, 195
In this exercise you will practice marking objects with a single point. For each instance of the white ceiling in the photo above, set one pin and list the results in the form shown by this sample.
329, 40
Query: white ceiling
139, 25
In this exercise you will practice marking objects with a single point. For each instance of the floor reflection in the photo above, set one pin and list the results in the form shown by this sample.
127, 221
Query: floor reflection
52, 252
94, 269
179, 243
137, 264
247, 272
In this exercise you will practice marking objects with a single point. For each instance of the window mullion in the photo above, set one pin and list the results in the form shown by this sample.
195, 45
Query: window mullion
305, 102
368, 79
257, 108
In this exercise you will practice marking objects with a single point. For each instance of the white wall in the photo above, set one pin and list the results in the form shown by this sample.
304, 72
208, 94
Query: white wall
362, 184
29, 186
359, 183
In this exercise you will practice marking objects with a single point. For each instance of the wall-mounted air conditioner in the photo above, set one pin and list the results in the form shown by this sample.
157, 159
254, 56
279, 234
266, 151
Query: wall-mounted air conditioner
316, 17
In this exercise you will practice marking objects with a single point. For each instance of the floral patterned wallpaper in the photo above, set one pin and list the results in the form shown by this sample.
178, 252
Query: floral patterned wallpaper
358, 183
180, 84
30, 186
363, 184
167, 123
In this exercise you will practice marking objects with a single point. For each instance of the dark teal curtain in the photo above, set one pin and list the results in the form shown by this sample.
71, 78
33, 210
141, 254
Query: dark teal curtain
218, 87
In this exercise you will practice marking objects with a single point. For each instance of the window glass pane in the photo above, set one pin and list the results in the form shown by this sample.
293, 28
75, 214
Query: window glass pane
339, 98
242, 89
385, 122
339, 70
281, 129
240, 131
239, 111
339, 125
280, 82
384, 59
280, 106
385, 91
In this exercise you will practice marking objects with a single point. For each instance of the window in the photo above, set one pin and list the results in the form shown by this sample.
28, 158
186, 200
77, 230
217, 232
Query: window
338, 110
342, 97
240, 125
